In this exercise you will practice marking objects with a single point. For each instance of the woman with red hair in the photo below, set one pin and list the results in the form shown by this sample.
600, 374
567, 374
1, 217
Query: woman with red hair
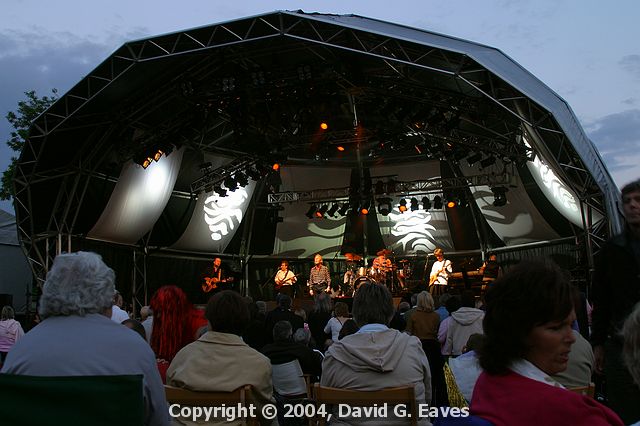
171, 325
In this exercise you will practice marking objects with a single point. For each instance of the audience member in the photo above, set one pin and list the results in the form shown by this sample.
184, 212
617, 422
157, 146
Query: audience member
171, 324
398, 322
452, 305
282, 312
10, 331
220, 360
146, 317
136, 326
253, 334
117, 313
414, 302
376, 357
442, 308
615, 292
466, 368
528, 337
348, 328
464, 322
76, 336
284, 349
424, 325
631, 347
340, 315
318, 319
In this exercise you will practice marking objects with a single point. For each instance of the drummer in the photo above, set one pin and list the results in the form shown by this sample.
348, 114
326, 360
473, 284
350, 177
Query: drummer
380, 266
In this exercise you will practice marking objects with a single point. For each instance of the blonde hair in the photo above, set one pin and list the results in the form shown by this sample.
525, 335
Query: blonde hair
425, 302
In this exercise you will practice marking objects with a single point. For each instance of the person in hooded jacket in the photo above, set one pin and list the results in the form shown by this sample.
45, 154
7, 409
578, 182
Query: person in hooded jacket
464, 322
376, 356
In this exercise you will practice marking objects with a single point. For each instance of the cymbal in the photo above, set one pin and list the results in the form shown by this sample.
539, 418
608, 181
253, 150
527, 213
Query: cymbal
353, 257
383, 252
404, 261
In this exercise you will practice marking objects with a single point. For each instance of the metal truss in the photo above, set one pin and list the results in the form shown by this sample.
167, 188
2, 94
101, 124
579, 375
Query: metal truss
418, 187
139, 290
407, 60
214, 177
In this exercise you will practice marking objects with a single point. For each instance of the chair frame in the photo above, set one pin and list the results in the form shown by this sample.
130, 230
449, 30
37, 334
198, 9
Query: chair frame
192, 398
358, 398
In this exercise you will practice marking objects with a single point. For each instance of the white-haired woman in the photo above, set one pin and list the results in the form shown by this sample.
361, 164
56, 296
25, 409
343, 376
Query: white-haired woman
76, 336
10, 331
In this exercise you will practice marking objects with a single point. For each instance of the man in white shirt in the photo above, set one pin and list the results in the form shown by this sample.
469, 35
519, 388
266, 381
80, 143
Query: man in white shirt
285, 279
439, 276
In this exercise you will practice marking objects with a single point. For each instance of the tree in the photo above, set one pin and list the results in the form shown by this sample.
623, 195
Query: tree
21, 119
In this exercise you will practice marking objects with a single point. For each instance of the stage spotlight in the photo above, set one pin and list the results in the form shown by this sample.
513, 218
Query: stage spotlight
275, 167
146, 162
474, 158
364, 207
322, 210
426, 203
384, 206
344, 209
437, 202
220, 190
340, 148
324, 125
230, 183
414, 204
158, 155
451, 204
499, 196
332, 211
487, 162
311, 212
403, 206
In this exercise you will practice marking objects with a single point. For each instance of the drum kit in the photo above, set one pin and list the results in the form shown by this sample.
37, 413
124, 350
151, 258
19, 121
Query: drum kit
382, 270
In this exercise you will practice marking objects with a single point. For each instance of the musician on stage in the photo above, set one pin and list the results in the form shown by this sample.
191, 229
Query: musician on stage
219, 280
439, 276
319, 278
285, 279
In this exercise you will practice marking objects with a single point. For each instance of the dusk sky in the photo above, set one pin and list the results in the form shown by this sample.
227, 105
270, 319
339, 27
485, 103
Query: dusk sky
587, 51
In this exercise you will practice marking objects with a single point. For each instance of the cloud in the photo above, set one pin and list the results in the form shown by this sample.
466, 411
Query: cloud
631, 64
630, 101
617, 137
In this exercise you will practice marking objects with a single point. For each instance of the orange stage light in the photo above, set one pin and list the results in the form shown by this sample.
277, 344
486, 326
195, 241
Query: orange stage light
276, 166
451, 204
340, 148
324, 126
364, 210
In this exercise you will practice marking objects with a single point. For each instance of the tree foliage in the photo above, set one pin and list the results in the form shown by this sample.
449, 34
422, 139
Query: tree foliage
20, 120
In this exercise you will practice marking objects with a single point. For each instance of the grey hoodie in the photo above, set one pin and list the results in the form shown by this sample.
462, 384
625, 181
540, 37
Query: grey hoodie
464, 323
377, 360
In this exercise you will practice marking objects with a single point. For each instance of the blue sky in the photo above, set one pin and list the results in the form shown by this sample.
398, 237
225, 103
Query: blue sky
587, 51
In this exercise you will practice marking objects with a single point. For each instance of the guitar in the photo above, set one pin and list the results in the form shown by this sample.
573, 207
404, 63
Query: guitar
212, 283
284, 282
435, 276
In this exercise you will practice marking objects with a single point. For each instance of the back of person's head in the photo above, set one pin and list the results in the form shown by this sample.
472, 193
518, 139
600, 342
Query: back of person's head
414, 299
442, 300
145, 312
118, 300
7, 313
78, 284
372, 304
284, 301
631, 348
302, 336
453, 304
262, 306
136, 326
403, 307
341, 309
322, 302
531, 294
171, 310
425, 302
468, 299
301, 313
282, 331
349, 327
227, 312
474, 343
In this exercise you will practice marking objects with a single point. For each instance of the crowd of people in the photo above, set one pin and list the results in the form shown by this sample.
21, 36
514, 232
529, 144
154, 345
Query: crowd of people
513, 355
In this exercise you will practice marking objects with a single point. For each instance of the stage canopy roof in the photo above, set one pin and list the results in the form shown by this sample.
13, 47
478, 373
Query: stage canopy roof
408, 114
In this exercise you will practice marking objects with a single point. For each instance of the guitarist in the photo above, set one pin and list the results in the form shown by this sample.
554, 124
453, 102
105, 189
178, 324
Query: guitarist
439, 276
218, 279
285, 279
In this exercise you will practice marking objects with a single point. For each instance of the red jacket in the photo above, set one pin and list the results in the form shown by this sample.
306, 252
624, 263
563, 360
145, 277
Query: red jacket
517, 400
